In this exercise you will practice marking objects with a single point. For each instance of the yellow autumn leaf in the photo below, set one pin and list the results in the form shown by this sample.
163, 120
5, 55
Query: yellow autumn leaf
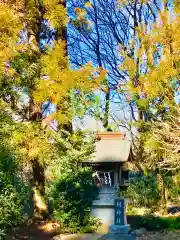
88, 4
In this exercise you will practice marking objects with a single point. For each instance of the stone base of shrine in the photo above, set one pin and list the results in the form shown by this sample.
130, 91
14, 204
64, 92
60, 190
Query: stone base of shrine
119, 232
119, 229
103, 209
105, 213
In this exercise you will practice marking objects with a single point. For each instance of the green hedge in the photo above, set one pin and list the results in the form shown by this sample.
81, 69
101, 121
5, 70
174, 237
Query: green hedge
153, 223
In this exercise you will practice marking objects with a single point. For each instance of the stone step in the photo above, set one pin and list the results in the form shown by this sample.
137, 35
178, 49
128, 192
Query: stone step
106, 196
118, 237
107, 190
103, 202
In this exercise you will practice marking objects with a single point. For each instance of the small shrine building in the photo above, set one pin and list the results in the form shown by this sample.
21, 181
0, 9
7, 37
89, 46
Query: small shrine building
112, 151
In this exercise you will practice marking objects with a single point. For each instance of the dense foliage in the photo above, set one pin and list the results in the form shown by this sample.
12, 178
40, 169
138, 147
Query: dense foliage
14, 193
153, 223
146, 191
72, 195
11, 207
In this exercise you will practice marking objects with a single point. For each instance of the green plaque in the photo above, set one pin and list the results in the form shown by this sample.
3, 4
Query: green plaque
119, 211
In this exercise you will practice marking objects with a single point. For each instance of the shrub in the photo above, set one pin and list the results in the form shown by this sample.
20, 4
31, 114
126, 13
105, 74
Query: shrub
72, 197
13, 195
173, 188
10, 208
143, 191
10, 204
151, 222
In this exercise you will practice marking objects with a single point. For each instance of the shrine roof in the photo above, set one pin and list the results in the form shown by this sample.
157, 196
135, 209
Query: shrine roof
111, 147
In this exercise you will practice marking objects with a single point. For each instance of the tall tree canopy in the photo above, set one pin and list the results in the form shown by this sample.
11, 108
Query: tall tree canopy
137, 42
35, 70
104, 38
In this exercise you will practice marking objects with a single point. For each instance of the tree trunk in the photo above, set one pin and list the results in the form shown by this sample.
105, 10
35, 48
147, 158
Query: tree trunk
105, 120
61, 33
35, 11
140, 115
106, 111
163, 192
135, 162
164, 196
40, 207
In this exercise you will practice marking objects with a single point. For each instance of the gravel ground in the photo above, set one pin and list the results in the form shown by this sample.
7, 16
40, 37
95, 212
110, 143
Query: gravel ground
43, 231
162, 235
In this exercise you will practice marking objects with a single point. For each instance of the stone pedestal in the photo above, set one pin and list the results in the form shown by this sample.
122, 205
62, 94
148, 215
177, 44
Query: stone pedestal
119, 232
119, 229
111, 211
103, 209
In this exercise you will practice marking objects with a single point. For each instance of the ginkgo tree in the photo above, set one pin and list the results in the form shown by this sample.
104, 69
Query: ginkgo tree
34, 61
153, 84
153, 72
158, 55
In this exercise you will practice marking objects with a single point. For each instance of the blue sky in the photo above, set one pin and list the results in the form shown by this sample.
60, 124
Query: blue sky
83, 51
